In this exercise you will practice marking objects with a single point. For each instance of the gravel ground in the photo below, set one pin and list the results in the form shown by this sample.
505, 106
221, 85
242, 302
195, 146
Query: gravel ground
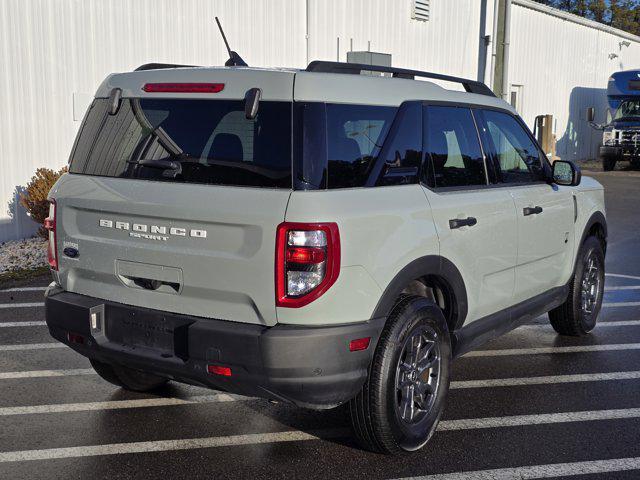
23, 255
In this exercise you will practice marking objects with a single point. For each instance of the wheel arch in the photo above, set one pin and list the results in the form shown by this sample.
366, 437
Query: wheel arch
434, 272
595, 226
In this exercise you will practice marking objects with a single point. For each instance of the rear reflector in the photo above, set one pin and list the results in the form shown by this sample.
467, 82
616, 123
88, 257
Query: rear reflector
359, 344
50, 226
219, 370
75, 338
183, 87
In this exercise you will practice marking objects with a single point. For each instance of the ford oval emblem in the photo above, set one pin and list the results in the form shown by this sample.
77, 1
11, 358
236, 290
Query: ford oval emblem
71, 252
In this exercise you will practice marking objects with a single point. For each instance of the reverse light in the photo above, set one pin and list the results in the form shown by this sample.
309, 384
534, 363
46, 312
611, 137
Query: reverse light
183, 87
219, 370
359, 344
307, 262
50, 226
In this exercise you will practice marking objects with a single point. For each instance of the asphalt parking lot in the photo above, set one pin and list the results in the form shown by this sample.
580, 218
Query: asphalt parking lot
529, 405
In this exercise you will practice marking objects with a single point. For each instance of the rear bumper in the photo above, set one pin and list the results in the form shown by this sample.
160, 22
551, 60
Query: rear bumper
309, 366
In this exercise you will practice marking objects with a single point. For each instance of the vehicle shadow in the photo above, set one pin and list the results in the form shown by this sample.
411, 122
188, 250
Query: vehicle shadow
16, 224
580, 141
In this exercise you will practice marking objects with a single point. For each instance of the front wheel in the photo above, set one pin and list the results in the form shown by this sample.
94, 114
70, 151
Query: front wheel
578, 314
400, 405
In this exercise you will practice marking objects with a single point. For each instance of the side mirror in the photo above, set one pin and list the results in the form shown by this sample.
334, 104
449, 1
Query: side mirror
591, 114
252, 103
566, 173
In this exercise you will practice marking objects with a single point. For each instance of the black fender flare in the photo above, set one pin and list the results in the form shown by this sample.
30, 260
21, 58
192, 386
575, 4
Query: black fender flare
421, 267
596, 217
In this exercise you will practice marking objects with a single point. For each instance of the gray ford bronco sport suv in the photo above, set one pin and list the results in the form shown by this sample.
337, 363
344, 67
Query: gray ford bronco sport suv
316, 236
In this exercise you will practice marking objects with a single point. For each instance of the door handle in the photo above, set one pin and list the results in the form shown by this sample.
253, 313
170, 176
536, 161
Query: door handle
531, 211
462, 222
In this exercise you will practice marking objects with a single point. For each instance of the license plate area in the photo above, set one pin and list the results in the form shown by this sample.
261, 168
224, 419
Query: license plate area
156, 331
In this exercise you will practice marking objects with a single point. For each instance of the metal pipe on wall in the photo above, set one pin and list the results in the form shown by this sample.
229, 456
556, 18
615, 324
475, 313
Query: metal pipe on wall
505, 53
494, 43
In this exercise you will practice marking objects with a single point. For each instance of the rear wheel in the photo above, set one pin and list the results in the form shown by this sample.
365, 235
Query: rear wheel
577, 316
608, 164
128, 378
400, 405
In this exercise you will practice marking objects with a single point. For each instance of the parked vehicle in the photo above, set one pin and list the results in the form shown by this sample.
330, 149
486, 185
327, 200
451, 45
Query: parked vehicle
317, 237
621, 133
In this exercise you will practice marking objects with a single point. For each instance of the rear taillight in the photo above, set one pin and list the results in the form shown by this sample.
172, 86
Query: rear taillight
307, 262
50, 226
183, 87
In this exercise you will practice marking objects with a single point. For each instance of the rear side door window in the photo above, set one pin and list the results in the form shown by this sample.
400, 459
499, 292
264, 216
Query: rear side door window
452, 148
515, 153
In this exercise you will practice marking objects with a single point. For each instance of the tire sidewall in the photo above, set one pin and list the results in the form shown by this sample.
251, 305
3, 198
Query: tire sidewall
415, 313
588, 322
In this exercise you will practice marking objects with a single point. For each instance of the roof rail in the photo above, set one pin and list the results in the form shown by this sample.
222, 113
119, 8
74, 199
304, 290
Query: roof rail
471, 86
158, 66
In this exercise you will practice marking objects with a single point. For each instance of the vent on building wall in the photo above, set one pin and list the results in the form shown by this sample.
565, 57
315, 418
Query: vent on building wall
420, 10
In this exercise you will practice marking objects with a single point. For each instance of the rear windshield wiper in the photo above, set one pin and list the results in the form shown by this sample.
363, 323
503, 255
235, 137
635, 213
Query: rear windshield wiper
172, 166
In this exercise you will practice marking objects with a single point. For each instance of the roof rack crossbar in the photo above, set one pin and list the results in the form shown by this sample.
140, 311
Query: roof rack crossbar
471, 86
158, 66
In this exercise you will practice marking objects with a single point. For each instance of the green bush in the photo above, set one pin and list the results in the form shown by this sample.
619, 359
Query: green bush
34, 198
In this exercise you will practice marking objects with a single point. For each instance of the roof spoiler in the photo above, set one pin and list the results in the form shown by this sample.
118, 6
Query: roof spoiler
471, 86
159, 66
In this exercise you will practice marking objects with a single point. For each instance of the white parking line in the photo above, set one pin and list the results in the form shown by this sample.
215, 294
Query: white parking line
542, 471
554, 350
24, 289
296, 436
169, 445
621, 304
619, 275
541, 419
545, 380
31, 346
46, 373
21, 324
616, 323
484, 383
119, 404
22, 305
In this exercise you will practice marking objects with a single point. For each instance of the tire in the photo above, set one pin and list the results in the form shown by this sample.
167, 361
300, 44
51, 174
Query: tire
128, 378
577, 316
382, 418
608, 164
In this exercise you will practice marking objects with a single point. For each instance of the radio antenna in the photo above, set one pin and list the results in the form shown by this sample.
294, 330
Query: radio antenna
234, 60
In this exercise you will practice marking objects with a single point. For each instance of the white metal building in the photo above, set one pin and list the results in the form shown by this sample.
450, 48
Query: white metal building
54, 54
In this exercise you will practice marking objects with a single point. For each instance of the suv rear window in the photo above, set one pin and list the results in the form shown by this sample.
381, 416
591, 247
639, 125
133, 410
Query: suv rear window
187, 140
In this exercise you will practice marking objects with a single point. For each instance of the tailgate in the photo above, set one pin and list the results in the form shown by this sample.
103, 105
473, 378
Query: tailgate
203, 250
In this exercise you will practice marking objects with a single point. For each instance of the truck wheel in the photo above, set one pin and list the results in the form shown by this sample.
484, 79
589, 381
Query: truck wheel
399, 407
608, 164
128, 378
578, 314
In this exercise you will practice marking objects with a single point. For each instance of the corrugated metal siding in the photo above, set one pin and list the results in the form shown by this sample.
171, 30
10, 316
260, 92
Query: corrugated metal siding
563, 68
54, 54
448, 42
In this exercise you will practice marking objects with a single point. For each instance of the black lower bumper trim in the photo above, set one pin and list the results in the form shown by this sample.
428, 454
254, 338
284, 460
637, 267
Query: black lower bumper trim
309, 366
